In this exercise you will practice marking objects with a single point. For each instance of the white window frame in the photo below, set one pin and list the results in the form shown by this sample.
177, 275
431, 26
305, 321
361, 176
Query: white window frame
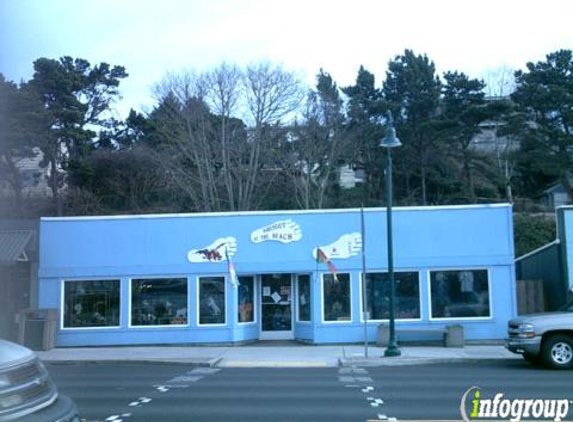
350, 321
420, 293
175, 326
489, 298
198, 307
255, 302
296, 289
63, 282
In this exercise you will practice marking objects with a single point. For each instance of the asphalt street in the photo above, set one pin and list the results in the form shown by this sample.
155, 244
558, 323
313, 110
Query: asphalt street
130, 392
435, 391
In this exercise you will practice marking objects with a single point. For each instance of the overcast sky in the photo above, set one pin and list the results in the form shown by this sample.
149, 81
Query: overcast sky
151, 38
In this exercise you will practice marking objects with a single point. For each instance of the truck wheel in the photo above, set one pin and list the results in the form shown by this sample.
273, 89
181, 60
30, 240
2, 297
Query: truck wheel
557, 352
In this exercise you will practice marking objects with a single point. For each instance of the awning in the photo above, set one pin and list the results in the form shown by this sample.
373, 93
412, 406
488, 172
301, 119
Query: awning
13, 245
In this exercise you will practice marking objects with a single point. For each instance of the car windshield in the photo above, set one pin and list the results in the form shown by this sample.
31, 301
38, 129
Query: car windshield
568, 307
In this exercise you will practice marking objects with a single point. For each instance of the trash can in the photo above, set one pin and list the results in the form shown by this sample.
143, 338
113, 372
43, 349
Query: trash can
454, 336
383, 335
37, 328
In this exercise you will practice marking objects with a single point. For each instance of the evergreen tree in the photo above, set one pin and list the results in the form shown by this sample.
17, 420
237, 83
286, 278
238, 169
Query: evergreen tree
463, 109
23, 124
319, 147
77, 98
412, 90
545, 95
364, 112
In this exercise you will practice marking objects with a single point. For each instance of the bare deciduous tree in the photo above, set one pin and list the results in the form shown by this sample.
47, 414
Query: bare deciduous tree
499, 82
207, 148
272, 94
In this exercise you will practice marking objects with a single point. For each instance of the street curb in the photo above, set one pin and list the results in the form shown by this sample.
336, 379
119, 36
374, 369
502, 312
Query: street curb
376, 362
204, 363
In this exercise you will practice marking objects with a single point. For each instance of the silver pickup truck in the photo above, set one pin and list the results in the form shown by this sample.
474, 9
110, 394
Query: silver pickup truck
544, 338
27, 394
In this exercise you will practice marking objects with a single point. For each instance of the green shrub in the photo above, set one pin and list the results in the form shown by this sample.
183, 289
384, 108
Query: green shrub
532, 231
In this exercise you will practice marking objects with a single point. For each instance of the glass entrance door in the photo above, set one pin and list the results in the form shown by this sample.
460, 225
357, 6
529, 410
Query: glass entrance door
276, 307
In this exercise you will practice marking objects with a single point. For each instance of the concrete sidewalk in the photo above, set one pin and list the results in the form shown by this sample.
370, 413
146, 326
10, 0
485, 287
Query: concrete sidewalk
287, 356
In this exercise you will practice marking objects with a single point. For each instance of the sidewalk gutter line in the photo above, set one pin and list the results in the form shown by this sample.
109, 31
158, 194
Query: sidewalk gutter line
416, 361
210, 363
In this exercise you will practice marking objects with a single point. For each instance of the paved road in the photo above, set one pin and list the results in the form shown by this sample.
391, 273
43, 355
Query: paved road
172, 393
435, 391
180, 393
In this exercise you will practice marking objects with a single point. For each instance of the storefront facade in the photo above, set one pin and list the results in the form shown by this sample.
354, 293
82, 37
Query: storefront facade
169, 279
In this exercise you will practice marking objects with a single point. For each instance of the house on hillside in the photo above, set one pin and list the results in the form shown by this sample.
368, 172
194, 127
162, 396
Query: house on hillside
349, 176
555, 196
34, 178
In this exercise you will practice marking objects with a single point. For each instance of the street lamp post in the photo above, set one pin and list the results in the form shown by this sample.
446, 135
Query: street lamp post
390, 141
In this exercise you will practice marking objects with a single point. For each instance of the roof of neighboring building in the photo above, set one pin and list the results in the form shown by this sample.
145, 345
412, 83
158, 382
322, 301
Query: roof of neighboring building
13, 245
556, 187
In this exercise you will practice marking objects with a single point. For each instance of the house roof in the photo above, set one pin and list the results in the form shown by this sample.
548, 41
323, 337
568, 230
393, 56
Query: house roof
13, 245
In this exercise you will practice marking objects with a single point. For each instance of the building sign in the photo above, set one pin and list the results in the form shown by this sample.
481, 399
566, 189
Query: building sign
284, 231
215, 252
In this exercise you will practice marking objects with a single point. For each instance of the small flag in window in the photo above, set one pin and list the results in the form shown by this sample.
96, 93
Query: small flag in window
232, 274
321, 257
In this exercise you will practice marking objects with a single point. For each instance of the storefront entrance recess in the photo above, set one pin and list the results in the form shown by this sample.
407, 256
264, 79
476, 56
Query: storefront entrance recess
276, 307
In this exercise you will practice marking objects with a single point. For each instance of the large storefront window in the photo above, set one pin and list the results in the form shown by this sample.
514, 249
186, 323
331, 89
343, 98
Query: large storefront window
303, 293
246, 297
336, 297
91, 303
212, 300
158, 301
460, 294
407, 299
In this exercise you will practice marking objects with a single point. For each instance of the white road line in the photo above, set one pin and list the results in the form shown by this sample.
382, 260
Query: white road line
203, 371
191, 376
352, 370
344, 378
183, 378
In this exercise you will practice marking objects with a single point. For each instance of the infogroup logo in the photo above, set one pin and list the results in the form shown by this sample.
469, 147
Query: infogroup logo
473, 407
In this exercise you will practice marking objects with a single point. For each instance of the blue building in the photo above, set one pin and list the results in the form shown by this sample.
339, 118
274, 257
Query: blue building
166, 279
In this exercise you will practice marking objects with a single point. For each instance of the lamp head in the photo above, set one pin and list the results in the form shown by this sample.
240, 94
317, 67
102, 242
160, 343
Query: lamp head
390, 140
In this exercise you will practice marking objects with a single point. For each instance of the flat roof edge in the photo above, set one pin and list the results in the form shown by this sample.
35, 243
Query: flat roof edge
277, 212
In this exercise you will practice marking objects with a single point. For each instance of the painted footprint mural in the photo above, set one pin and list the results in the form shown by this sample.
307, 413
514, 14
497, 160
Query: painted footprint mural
347, 246
215, 252
284, 231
